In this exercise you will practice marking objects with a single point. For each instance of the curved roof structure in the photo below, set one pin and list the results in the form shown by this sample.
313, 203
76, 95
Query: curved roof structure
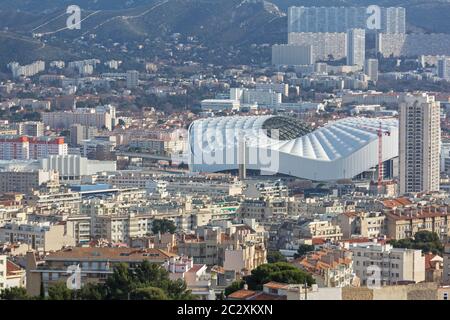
341, 149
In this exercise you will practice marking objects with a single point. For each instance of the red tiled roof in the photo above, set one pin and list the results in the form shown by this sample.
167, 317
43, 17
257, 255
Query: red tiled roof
12, 268
265, 296
275, 285
242, 294
399, 202
317, 241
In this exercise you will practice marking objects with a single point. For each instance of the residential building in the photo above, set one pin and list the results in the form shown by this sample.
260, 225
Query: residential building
132, 79
340, 19
11, 275
443, 68
324, 45
43, 237
323, 230
220, 105
28, 70
26, 181
434, 265
370, 225
420, 137
197, 279
23, 148
356, 47
371, 69
239, 247
102, 117
381, 264
330, 267
406, 222
95, 264
29, 128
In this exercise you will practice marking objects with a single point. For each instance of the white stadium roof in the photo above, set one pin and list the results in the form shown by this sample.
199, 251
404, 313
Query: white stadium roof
340, 149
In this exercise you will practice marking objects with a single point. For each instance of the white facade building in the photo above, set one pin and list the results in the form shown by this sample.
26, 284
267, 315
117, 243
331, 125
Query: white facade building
356, 47
220, 104
384, 265
340, 19
371, 69
24, 148
100, 117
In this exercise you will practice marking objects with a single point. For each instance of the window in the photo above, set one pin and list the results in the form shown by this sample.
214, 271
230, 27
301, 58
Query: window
445, 297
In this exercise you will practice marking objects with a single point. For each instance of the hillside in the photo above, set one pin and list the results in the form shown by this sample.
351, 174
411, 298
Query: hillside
217, 24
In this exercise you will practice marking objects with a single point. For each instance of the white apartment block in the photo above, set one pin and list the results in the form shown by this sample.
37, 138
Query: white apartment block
261, 97
443, 68
324, 44
382, 264
29, 128
371, 69
412, 45
220, 104
132, 79
27, 70
282, 88
14, 147
102, 117
340, 19
420, 139
356, 47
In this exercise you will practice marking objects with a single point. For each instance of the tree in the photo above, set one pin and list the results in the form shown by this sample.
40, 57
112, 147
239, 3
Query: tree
120, 283
275, 256
149, 293
303, 249
14, 293
235, 286
59, 291
91, 291
163, 226
124, 283
279, 272
423, 240
150, 274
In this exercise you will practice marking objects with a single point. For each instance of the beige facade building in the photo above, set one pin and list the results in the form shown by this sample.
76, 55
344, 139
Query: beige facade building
238, 247
365, 224
406, 222
324, 230
381, 264
420, 138
26, 181
329, 267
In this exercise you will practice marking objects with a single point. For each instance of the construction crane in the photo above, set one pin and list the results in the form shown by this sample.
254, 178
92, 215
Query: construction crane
380, 133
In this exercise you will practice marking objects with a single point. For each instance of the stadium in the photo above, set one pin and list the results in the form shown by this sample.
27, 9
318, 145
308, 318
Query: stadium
341, 149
